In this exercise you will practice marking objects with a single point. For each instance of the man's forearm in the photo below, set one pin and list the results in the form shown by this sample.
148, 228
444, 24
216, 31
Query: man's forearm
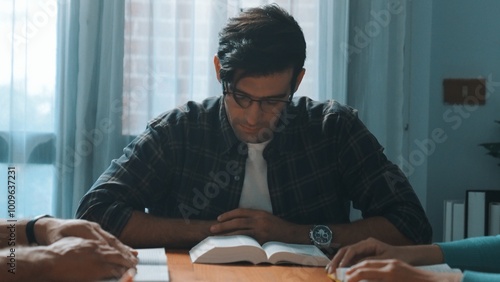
145, 230
347, 234
376, 227
13, 233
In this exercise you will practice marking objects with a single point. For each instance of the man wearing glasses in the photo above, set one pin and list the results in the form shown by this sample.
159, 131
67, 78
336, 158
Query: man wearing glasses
256, 161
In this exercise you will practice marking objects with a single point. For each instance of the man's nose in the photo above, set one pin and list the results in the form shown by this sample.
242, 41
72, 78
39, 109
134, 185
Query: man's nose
253, 113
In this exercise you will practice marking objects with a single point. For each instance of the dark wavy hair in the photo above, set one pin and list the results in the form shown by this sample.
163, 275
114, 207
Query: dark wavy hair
261, 41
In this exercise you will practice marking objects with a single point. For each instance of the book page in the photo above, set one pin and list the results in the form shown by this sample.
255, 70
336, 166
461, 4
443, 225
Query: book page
152, 266
152, 256
225, 249
340, 274
439, 268
151, 273
278, 252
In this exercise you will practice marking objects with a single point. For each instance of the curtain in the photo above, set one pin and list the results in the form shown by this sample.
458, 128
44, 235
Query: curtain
27, 82
113, 65
169, 49
375, 84
332, 55
89, 96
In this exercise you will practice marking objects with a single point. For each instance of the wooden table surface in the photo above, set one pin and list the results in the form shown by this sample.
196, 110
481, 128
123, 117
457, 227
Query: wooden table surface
182, 270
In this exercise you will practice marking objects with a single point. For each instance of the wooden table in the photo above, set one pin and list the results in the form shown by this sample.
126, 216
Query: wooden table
182, 270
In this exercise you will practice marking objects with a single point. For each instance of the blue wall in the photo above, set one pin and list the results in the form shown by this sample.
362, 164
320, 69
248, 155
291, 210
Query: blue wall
464, 42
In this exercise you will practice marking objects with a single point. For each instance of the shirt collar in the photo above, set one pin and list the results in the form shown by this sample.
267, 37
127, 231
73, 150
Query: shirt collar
287, 134
285, 139
229, 138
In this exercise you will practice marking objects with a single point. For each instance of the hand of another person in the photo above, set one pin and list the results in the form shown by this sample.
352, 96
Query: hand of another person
50, 230
366, 249
261, 225
78, 259
395, 271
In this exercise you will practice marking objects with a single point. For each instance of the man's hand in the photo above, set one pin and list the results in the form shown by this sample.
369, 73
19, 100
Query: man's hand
394, 271
373, 249
366, 249
261, 225
51, 230
76, 259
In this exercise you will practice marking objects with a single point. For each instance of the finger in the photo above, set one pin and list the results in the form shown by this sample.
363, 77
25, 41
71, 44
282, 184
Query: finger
108, 270
372, 270
232, 214
111, 255
364, 274
111, 240
368, 264
241, 213
335, 262
358, 252
233, 227
128, 276
348, 256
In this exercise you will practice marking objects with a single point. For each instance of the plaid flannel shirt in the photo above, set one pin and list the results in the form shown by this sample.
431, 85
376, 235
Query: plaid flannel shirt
189, 164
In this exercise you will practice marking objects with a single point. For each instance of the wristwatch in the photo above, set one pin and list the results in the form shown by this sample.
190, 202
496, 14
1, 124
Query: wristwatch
321, 236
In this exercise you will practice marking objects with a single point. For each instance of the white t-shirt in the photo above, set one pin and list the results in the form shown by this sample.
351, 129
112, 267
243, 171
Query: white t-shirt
255, 193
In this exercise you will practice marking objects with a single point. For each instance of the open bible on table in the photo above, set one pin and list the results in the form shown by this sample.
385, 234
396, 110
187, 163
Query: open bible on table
237, 248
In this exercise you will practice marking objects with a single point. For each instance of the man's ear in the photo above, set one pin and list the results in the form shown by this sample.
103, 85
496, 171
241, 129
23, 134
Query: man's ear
299, 79
217, 67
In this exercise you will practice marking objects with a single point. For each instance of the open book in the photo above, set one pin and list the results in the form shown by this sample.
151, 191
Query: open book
235, 248
152, 266
340, 274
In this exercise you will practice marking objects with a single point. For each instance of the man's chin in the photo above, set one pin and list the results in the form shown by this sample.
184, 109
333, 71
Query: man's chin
247, 138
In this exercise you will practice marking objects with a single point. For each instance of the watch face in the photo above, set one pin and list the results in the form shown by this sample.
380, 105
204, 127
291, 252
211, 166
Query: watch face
322, 234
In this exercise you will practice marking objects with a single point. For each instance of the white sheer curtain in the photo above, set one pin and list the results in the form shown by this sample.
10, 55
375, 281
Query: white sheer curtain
27, 83
377, 31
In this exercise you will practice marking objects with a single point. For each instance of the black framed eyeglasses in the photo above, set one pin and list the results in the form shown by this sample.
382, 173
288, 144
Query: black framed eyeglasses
267, 105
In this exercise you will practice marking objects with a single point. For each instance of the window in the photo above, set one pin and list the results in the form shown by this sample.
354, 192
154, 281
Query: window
27, 95
169, 49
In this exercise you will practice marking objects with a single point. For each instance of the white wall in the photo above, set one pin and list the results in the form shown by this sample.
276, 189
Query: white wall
452, 39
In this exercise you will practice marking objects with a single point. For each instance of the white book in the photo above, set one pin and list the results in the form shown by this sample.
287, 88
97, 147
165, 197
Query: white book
458, 221
477, 211
236, 248
152, 266
445, 268
475, 214
494, 218
448, 220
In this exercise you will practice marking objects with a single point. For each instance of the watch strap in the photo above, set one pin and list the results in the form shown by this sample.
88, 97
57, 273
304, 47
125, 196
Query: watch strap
30, 229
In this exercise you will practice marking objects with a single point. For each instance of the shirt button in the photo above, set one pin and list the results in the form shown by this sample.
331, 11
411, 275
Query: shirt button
237, 177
